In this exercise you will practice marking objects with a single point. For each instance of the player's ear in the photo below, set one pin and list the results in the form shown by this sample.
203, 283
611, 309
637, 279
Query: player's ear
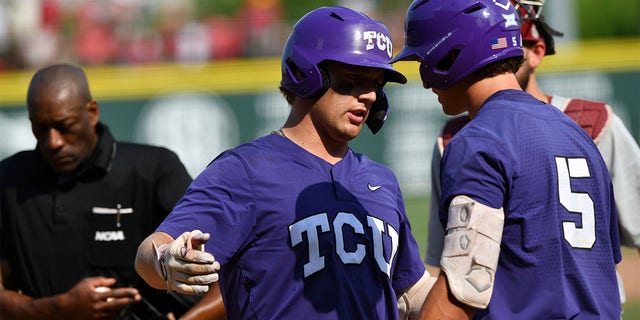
536, 54
93, 111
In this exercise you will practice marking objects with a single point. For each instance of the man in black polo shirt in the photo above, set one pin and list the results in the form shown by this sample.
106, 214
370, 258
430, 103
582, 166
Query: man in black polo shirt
75, 209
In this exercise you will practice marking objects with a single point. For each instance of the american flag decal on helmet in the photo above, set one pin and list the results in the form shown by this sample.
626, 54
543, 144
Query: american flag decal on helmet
498, 43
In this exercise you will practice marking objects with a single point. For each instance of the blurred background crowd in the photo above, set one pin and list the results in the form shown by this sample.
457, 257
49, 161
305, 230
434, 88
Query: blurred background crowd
107, 32
36, 32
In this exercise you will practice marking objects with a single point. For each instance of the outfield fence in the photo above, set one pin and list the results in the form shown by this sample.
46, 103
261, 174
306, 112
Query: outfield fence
200, 110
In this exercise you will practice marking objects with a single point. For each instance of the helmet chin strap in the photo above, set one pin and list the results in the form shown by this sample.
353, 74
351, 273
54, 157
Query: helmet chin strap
378, 112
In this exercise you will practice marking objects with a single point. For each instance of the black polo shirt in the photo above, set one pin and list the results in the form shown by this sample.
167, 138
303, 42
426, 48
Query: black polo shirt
56, 230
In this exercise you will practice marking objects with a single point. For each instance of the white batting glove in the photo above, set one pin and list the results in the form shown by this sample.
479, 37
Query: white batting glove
185, 266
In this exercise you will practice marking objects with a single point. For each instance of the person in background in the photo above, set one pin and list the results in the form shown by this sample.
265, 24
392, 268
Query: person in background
296, 224
527, 201
616, 144
76, 207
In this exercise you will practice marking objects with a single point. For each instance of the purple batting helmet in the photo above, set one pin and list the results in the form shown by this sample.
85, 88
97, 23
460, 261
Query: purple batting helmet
338, 34
343, 35
452, 39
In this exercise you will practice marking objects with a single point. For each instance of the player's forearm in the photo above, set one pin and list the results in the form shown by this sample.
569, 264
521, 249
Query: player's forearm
14, 305
210, 306
442, 305
411, 300
146, 263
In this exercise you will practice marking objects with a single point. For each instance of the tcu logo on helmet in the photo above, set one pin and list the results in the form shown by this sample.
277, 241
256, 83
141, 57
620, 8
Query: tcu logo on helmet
380, 40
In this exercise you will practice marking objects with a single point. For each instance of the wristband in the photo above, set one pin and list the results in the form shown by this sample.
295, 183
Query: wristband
163, 268
160, 256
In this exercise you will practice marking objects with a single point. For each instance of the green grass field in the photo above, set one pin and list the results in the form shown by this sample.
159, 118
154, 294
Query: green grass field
631, 310
418, 208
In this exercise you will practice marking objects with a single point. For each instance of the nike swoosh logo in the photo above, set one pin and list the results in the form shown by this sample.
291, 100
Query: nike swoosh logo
373, 188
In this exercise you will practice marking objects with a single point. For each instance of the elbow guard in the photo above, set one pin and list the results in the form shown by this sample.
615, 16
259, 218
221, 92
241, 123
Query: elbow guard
471, 250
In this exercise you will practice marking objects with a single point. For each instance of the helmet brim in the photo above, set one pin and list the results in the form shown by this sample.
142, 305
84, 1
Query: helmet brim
391, 74
406, 54
395, 76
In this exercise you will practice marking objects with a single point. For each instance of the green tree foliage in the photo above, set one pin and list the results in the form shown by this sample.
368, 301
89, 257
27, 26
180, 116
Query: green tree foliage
608, 19
207, 8
295, 9
596, 18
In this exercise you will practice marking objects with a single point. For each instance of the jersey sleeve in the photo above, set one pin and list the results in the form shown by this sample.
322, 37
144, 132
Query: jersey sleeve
409, 267
476, 167
219, 202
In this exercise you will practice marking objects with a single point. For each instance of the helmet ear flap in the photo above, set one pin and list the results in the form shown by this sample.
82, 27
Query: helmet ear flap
378, 112
326, 81
308, 81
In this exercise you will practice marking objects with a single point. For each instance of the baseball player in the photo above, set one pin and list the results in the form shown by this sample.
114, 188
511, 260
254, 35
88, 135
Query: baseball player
616, 144
300, 225
527, 201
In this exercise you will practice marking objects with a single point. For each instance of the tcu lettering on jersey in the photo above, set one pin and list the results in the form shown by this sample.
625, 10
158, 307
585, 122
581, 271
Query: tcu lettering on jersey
378, 40
376, 231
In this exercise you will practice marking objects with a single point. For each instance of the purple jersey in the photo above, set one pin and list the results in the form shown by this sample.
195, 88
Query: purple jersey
299, 238
560, 240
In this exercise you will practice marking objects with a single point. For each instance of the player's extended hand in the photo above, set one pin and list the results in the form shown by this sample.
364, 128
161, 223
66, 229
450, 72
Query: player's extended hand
92, 298
189, 269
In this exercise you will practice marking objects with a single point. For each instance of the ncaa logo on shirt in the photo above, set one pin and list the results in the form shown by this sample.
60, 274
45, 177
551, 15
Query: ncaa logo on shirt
109, 236
378, 40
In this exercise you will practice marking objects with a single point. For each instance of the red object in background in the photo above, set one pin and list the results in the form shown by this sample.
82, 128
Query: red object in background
50, 11
227, 38
260, 14
144, 47
94, 40
95, 44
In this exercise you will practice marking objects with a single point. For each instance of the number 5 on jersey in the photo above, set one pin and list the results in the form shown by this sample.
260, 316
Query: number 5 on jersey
576, 202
